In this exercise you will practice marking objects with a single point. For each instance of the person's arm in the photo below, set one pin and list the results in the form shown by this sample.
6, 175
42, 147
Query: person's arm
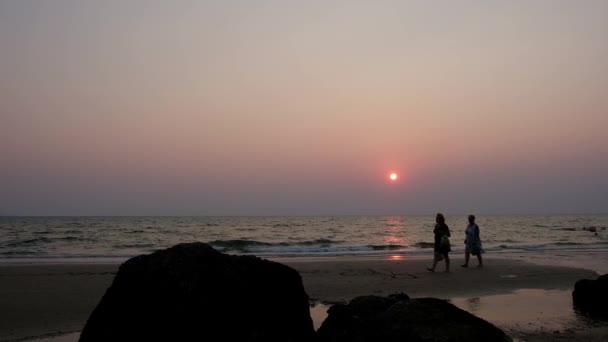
477, 232
447, 229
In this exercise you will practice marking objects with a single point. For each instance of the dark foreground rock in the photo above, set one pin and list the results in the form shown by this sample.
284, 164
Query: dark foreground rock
592, 295
191, 292
398, 318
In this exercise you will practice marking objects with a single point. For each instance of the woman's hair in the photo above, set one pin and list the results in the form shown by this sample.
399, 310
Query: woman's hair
439, 218
472, 218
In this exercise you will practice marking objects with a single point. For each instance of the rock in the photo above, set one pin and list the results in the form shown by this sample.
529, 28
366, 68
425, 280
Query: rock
394, 318
191, 292
592, 295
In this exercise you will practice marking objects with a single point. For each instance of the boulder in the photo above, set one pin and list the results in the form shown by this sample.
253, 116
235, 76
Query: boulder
191, 292
592, 295
398, 318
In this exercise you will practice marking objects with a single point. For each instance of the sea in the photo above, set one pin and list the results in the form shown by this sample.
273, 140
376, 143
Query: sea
562, 239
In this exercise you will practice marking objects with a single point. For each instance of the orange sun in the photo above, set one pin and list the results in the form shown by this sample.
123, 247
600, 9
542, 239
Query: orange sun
393, 176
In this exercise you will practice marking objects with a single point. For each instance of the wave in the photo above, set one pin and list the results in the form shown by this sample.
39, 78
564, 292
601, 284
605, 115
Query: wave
241, 244
44, 240
29, 242
509, 241
523, 247
18, 253
73, 238
560, 245
424, 244
385, 247
287, 225
136, 245
309, 247
299, 250
586, 228
568, 243
319, 242
29, 256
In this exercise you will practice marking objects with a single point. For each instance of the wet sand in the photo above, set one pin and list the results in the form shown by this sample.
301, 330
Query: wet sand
38, 301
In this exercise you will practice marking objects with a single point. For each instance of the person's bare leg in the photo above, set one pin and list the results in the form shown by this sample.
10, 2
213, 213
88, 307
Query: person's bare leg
480, 260
435, 261
447, 262
467, 256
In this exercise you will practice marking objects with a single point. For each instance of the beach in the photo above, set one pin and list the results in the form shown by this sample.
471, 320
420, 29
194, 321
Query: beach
51, 302
353, 141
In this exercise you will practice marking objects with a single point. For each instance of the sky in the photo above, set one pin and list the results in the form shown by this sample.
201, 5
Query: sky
303, 107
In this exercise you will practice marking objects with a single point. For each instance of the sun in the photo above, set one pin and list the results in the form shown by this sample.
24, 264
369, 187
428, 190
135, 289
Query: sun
393, 176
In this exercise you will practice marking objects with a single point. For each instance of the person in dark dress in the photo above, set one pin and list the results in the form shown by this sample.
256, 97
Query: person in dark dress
442, 243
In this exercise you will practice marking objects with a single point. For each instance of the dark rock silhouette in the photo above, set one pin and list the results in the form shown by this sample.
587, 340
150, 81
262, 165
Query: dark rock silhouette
191, 292
398, 318
592, 295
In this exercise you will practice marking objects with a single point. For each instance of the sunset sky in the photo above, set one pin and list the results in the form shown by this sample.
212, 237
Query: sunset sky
303, 107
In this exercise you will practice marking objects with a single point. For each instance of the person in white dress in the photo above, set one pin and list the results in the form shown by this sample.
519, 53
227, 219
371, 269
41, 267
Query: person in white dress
472, 243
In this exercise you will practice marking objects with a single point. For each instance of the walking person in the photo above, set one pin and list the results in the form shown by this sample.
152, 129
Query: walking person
472, 243
442, 243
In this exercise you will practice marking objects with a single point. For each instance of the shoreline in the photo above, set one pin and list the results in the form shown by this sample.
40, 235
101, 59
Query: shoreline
587, 258
45, 300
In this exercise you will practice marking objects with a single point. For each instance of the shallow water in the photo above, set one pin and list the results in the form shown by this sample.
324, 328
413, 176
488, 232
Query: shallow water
529, 310
519, 313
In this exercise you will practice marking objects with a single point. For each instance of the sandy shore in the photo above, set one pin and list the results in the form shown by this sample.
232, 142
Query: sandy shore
37, 300
44, 300
337, 280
